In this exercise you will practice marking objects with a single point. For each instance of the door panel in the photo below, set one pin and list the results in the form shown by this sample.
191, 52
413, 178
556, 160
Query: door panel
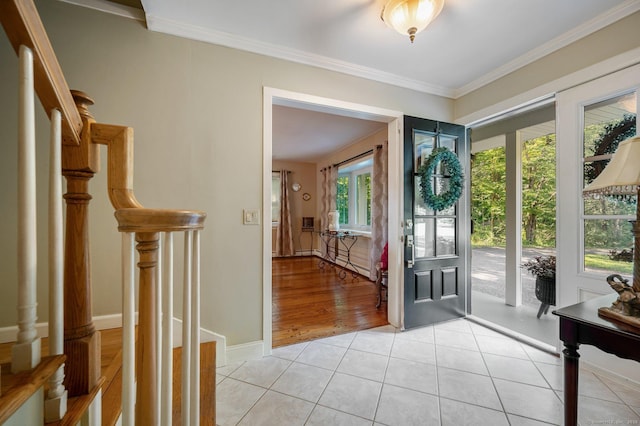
435, 270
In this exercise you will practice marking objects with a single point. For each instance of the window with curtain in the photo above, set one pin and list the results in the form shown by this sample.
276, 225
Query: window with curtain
353, 199
275, 197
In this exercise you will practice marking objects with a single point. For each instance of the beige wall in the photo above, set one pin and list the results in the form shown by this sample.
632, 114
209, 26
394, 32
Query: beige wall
197, 113
618, 38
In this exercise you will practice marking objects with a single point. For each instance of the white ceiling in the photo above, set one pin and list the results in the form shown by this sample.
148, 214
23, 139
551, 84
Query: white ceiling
306, 136
471, 43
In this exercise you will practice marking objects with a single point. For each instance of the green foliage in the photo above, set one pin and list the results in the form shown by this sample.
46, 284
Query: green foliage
539, 192
541, 266
602, 262
607, 234
452, 167
342, 199
488, 170
488, 197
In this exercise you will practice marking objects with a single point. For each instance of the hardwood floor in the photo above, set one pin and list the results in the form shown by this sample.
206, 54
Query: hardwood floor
311, 303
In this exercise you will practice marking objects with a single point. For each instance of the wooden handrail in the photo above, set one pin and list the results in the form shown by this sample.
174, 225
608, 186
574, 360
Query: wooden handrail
147, 224
131, 215
23, 26
80, 160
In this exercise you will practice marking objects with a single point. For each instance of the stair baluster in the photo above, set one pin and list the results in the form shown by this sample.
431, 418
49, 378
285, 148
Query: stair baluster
56, 402
25, 354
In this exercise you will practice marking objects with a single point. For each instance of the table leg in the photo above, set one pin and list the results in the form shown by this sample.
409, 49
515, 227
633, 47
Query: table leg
571, 367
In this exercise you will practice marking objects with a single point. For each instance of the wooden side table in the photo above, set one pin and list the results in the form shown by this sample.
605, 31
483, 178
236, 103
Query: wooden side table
580, 324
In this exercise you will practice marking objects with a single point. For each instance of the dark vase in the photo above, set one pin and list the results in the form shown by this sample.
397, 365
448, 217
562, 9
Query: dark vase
545, 293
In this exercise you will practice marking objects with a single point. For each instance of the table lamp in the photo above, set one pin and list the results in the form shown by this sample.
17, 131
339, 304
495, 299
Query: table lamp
621, 177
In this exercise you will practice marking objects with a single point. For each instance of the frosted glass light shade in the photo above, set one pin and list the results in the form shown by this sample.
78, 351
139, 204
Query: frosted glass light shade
410, 16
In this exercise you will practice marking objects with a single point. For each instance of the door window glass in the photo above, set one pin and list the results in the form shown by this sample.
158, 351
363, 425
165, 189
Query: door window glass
435, 231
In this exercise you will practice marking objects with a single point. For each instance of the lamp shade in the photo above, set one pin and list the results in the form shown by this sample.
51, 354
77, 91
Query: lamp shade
410, 16
622, 174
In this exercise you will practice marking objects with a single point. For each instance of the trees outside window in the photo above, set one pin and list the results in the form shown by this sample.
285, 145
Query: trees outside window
488, 172
353, 197
605, 220
488, 197
539, 192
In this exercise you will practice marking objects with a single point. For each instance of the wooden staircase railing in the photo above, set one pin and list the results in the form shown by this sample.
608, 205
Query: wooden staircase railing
154, 348
80, 137
23, 27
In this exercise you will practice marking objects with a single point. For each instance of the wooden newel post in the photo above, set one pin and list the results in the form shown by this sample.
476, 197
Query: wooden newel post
146, 346
81, 340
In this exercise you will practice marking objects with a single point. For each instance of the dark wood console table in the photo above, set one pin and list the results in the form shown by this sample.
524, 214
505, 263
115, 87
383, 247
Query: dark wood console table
580, 324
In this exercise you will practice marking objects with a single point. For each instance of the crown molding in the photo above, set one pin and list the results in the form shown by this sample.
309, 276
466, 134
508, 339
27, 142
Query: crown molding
168, 26
599, 22
109, 7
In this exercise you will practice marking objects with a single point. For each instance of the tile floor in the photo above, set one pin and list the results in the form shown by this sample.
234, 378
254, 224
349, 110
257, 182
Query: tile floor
455, 373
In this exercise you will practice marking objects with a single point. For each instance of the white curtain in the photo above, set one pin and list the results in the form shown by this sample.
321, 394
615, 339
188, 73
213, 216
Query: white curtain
379, 206
284, 234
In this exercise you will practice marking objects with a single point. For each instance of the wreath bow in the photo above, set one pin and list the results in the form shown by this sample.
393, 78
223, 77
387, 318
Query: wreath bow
446, 199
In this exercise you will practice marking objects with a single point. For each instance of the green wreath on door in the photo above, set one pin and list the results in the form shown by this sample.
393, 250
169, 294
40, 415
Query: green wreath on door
452, 165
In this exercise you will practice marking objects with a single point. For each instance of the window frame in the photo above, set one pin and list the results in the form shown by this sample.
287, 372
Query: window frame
584, 218
354, 170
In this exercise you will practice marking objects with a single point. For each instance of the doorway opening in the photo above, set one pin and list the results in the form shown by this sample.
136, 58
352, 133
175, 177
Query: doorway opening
390, 120
514, 215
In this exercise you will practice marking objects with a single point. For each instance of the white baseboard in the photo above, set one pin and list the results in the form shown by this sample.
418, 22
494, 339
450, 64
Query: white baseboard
545, 347
105, 322
616, 377
205, 336
10, 334
244, 352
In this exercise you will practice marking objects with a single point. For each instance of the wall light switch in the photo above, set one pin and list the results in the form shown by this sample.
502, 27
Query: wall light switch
251, 217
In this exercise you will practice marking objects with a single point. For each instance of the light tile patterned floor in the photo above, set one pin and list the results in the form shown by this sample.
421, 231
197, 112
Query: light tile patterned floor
456, 373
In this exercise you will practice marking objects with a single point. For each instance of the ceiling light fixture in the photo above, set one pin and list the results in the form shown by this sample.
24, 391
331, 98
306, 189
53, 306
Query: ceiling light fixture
410, 16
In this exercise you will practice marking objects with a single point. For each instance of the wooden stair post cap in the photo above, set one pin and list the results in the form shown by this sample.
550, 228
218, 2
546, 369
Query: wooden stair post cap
159, 220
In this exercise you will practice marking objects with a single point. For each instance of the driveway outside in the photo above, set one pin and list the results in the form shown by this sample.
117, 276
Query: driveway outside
488, 276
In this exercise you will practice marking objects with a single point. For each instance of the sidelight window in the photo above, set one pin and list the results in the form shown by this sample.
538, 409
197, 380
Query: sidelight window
605, 221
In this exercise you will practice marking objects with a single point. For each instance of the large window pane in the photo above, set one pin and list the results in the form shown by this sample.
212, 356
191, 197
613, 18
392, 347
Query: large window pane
607, 232
354, 194
604, 243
